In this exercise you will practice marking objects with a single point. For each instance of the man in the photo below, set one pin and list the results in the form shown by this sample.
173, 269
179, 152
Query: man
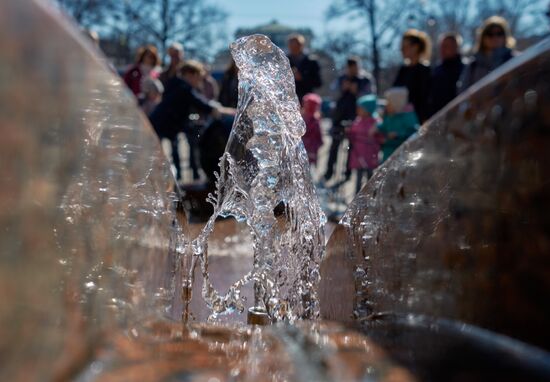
353, 84
446, 75
175, 52
181, 96
305, 68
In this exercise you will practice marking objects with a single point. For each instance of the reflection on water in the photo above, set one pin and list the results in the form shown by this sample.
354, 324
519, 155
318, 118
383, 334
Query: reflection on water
306, 352
230, 256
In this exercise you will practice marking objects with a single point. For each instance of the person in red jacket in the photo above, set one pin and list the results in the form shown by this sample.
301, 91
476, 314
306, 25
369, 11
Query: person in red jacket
313, 140
145, 67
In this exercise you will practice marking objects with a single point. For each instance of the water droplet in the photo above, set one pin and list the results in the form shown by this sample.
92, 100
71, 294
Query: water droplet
90, 286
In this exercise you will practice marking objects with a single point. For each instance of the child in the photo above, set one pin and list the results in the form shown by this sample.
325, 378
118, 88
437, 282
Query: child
364, 138
400, 121
312, 139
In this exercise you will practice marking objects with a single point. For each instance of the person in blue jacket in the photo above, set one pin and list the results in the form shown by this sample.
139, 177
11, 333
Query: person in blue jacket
400, 120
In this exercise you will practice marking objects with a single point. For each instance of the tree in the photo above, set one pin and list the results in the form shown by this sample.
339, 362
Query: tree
380, 22
524, 16
89, 13
342, 45
383, 21
195, 23
521, 14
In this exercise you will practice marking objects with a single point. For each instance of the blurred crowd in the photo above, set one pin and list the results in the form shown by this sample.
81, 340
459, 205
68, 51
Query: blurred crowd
183, 99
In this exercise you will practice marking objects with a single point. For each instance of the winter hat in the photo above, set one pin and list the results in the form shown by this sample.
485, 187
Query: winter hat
312, 98
398, 97
368, 103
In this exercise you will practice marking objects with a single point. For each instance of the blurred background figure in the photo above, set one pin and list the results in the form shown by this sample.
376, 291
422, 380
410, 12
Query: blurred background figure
175, 52
144, 67
152, 90
181, 97
313, 139
354, 83
415, 73
446, 75
215, 135
365, 139
400, 121
304, 66
209, 86
493, 48
229, 87
198, 120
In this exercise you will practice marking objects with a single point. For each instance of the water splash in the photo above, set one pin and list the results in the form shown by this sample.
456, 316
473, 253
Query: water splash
264, 181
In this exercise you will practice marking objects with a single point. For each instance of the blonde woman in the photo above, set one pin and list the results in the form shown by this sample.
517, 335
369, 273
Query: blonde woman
494, 46
415, 72
145, 67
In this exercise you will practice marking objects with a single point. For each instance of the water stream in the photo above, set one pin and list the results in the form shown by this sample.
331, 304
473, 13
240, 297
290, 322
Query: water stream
265, 181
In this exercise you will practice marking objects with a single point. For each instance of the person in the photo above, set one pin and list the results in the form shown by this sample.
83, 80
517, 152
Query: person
209, 86
176, 54
229, 87
181, 94
399, 122
354, 83
152, 90
415, 73
493, 48
199, 121
211, 146
311, 112
304, 66
365, 139
145, 66
229, 94
446, 75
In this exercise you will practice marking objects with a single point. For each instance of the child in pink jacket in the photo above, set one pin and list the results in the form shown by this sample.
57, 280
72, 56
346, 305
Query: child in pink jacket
313, 140
364, 139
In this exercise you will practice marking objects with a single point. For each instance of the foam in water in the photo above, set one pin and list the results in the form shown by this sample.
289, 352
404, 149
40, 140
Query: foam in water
264, 170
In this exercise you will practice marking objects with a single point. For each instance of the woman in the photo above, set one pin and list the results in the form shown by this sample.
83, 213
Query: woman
415, 73
493, 48
145, 67
229, 90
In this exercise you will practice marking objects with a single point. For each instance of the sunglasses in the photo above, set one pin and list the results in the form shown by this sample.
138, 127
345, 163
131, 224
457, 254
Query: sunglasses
497, 33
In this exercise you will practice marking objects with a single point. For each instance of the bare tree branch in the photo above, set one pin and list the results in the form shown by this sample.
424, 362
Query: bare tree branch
191, 22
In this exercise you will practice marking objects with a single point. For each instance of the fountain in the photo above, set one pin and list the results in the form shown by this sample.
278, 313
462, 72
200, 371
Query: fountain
96, 251
87, 216
447, 245
265, 167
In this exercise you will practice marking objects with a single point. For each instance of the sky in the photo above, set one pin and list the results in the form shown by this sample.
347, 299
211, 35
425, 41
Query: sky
294, 13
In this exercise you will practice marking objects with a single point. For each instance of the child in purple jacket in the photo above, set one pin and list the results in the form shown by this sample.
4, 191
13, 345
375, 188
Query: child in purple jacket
364, 139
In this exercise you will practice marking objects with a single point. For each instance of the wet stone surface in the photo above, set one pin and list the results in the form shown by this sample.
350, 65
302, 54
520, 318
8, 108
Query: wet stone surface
455, 223
87, 238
